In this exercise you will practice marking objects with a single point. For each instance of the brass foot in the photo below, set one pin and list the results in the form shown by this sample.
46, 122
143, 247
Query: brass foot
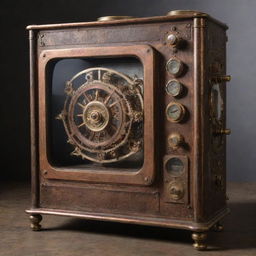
199, 239
35, 219
217, 227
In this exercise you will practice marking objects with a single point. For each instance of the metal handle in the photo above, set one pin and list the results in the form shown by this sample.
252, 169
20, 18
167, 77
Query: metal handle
223, 132
219, 79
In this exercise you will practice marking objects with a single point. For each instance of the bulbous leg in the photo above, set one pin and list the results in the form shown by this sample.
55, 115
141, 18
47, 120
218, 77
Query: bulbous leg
217, 227
35, 219
199, 238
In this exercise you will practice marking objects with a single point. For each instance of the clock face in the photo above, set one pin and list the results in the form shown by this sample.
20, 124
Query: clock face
101, 109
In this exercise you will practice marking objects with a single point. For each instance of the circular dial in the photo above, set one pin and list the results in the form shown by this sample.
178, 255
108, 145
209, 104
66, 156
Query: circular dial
175, 112
175, 67
101, 114
174, 88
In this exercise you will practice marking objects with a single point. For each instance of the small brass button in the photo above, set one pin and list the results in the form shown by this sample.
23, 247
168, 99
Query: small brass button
175, 140
176, 190
172, 39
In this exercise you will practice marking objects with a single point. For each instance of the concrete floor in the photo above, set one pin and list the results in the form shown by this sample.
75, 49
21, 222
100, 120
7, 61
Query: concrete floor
72, 237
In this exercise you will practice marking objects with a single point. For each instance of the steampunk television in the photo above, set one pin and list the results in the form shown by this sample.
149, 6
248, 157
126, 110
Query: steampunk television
128, 121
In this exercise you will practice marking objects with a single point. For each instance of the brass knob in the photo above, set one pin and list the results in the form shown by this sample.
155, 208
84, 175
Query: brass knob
219, 79
174, 40
95, 116
185, 12
223, 132
110, 18
175, 140
176, 190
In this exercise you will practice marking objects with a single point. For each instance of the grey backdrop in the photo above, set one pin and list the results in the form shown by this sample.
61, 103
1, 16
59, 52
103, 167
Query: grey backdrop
14, 104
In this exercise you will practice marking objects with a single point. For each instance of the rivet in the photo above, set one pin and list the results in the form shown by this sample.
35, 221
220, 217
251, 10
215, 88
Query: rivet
45, 172
174, 28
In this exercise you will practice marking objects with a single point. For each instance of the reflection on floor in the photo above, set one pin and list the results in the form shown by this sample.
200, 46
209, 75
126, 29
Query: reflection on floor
69, 236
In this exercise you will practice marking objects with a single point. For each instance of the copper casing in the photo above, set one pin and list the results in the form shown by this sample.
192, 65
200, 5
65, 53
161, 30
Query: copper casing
140, 197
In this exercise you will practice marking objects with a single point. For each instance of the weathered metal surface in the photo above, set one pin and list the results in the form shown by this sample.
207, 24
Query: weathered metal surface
186, 48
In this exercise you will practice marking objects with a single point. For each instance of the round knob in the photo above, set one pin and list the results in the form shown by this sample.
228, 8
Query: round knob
96, 116
176, 190
110, 18
175, 67
172, 39
186, 12
175, 140
175, 112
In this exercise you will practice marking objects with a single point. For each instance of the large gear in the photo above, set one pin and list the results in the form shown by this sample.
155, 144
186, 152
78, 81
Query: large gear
103, 117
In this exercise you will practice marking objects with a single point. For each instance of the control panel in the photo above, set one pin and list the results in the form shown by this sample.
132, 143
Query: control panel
178, 105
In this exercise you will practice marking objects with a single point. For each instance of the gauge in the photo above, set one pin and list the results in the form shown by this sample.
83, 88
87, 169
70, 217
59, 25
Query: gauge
174, 166
175, 66
174, 88
175, 112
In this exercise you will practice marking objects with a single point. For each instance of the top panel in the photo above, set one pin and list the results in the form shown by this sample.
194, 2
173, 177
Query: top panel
111, 20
